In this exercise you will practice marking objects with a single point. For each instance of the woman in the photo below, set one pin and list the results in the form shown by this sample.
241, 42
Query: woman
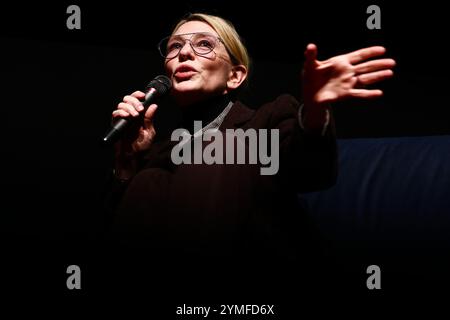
232, 209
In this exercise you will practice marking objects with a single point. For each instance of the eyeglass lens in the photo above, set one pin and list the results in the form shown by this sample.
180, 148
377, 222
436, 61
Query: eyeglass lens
201, 43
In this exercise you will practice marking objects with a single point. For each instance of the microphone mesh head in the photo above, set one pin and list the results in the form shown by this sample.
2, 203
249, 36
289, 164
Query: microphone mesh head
161, 83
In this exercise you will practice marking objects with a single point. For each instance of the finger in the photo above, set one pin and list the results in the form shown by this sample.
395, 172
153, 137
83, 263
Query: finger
373, 77
311, 54
128, 108
134, 102
366, 53
149, 114
120, 114
138, 94
374, 65
365, 93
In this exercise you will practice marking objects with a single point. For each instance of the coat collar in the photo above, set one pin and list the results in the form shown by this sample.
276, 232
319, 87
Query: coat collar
238, 115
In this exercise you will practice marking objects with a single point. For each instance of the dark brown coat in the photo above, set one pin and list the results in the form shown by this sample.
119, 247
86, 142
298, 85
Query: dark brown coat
229, 209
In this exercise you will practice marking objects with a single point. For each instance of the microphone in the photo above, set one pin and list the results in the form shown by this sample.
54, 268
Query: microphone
159, 86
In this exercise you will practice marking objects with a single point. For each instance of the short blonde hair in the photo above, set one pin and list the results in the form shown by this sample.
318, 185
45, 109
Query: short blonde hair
227, 33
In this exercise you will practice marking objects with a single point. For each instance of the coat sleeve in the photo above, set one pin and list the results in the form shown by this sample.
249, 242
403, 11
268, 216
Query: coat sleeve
307, 162
114, 188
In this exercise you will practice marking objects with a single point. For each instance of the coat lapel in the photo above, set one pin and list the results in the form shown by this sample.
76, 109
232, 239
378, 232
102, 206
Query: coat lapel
238, 115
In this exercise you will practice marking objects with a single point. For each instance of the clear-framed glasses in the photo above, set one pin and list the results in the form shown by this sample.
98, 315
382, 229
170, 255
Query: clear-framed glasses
201, 42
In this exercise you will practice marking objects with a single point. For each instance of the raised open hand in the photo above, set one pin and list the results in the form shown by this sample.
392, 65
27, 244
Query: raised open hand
344, 76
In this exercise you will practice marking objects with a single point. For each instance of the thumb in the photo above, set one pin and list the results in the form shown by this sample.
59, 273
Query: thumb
311, 54
149, 114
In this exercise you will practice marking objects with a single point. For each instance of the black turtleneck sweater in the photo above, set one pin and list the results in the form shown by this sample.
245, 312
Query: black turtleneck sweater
205, 111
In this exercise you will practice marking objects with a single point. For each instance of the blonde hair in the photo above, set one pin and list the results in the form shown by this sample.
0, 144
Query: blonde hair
227, 33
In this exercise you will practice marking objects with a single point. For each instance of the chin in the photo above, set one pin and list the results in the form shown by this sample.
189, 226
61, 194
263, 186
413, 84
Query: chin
186, 86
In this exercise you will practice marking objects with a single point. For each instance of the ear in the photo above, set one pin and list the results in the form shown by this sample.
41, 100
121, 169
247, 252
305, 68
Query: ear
237, 75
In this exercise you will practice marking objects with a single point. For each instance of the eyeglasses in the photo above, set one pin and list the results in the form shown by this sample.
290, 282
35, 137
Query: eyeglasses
201, 42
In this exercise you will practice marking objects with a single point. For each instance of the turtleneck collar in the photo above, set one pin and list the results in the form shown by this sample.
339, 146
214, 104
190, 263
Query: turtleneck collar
204, 111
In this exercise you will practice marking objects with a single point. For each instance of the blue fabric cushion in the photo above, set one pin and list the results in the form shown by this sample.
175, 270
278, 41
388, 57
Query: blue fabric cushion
391, 193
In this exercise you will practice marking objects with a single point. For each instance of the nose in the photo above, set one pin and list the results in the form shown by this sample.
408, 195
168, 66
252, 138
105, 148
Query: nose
186, 52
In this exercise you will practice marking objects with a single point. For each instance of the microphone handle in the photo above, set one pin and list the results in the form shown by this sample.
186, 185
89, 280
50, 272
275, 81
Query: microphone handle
120, 125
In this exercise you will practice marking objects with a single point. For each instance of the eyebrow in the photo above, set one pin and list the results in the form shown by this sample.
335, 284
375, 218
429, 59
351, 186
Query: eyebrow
189, 33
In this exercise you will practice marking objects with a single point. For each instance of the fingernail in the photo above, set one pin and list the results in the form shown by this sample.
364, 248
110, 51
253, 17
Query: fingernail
140, 107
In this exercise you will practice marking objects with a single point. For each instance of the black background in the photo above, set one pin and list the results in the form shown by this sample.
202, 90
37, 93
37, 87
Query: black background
59, 87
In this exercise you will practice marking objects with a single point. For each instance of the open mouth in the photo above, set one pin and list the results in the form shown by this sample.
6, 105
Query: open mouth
184, 72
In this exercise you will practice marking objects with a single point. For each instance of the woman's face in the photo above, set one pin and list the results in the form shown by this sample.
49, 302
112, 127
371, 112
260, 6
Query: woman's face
197, 77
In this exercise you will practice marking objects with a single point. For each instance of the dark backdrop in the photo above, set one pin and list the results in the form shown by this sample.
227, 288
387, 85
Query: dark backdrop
59, 87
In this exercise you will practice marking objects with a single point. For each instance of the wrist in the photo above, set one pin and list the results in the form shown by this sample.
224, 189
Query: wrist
315, 117
125, 166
